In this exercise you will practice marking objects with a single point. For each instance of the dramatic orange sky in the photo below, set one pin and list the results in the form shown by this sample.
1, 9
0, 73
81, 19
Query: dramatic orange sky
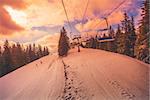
39, 21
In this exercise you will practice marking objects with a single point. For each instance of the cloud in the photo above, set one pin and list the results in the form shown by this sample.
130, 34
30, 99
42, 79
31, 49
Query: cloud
46, 17
7, 25
44, 12
103, 8
48, 28
16, 4
33, 36
24, 36
50, 41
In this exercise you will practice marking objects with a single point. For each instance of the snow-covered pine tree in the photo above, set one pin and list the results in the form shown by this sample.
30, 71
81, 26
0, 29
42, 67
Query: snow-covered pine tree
63, 45
142, 42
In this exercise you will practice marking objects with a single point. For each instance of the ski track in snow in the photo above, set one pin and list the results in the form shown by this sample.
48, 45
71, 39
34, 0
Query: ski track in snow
77, 78
73, 89
122, 91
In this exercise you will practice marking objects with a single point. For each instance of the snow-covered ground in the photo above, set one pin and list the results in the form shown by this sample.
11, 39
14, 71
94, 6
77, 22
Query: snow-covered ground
88, 75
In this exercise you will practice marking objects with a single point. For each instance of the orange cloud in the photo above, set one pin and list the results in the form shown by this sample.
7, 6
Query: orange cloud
50, 41
51, 12
7, 25
16, 4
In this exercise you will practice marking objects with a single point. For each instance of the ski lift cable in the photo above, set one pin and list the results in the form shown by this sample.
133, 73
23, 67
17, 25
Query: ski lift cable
118, 6
77, 11
67, 17
84, 14
110, 13
82, 21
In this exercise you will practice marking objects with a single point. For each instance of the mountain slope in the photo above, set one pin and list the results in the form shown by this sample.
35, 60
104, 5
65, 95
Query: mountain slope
88, 75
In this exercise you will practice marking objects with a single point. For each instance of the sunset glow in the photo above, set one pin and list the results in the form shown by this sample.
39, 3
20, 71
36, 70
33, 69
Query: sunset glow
35, 19
74, 49
18, 16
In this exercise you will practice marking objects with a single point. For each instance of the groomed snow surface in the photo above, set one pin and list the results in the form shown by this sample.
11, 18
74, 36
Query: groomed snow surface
88, 75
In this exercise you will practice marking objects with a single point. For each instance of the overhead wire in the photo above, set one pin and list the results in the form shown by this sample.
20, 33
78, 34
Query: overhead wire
109, 14
67, 18
84, 13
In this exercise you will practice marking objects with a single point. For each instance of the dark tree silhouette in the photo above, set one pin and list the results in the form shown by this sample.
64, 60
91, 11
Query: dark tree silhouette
7, 62
63, 45
15, 56
120, 41
142, 42
128, 36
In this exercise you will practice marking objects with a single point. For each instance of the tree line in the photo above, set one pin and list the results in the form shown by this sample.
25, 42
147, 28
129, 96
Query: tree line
17, 55
128, 40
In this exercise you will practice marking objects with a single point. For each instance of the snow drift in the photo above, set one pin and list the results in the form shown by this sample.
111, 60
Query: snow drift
88, 75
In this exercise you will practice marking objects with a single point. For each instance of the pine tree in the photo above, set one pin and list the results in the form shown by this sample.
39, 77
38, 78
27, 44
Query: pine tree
126, 28
132, 37
129, 35
7, 58
111, 46
40, 52
14, 56
111, 32
34, 52
120, 41
44, 51
27, 54
1, 61
142, 42
30, 53
20, 55
47, 51
63, 45
25, 58
17, 56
